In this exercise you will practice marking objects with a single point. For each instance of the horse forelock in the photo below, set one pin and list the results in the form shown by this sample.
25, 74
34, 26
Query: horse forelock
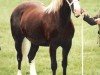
54, 6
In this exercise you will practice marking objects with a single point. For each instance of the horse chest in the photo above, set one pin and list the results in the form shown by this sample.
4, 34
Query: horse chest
56, 27
60, 33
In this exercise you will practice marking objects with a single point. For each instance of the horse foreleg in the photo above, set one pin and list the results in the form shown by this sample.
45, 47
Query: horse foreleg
31, 55
53, 58
66, 49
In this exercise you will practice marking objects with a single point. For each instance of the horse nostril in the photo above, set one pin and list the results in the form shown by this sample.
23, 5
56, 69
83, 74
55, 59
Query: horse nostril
82, 11
77, 16
77, 13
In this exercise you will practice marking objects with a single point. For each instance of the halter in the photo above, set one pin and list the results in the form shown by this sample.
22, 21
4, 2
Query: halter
73, 1
70, 4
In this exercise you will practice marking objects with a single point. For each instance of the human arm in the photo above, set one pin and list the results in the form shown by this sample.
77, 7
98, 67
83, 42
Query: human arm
90, 20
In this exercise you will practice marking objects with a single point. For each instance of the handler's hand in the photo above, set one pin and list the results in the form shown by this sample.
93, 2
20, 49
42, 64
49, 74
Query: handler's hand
97, 20
84, 12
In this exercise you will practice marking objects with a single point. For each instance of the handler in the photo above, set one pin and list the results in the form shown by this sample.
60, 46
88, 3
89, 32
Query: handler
91, 20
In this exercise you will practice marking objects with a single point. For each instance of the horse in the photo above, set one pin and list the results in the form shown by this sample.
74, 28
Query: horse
49, 26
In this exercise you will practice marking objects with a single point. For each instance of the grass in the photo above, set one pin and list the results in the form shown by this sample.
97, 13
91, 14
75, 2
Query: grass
91, 48
8, 63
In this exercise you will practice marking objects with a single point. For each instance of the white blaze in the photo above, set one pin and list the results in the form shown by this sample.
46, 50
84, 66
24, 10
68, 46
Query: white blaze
76, 4
77, 8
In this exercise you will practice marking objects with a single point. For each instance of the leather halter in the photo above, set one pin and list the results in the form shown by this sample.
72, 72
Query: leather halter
73, 1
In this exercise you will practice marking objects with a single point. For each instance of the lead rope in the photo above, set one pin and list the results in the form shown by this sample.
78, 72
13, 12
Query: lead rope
81, 34
82, 38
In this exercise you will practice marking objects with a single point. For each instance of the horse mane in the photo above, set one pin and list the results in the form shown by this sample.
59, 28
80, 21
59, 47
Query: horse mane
54, 6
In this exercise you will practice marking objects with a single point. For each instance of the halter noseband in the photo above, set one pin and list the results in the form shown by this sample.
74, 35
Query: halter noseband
73, 1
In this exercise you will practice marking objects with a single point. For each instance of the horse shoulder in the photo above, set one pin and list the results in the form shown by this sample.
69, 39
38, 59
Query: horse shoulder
50, 24
31, 21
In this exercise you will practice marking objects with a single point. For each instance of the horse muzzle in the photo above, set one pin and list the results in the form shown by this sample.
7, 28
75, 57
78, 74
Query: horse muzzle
77, 13
77, 9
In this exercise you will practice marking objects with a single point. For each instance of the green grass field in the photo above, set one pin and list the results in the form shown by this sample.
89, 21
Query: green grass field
8, 62
91, 49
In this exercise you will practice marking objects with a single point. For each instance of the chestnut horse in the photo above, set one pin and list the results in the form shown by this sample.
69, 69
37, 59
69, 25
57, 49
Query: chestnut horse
44, 26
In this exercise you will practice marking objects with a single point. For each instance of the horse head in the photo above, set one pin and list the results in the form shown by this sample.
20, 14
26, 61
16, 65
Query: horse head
75, 7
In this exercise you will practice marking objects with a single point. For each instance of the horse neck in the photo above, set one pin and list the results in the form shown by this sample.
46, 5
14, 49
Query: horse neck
65, 13
62, 12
